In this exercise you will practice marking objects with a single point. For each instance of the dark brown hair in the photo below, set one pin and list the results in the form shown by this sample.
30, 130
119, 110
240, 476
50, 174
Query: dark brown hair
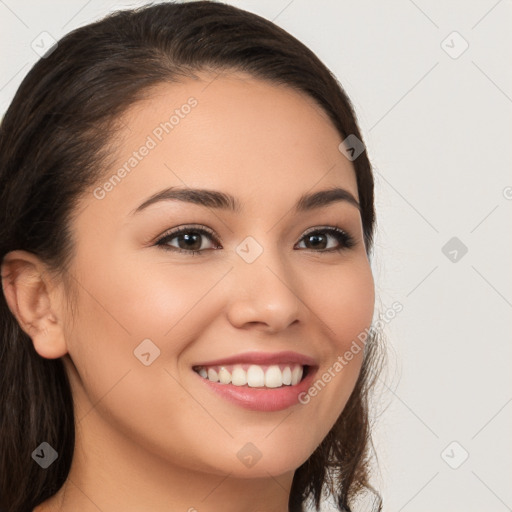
53, 148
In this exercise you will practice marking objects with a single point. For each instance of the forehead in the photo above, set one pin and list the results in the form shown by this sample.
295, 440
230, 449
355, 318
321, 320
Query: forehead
232, 132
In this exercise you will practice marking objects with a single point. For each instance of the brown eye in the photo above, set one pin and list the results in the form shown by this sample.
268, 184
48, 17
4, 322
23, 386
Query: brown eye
189, 240
319, 239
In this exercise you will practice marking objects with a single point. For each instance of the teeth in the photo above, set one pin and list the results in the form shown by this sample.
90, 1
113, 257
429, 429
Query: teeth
239, 376
273, 377
296, 375
255, 376
212, 375
224, 376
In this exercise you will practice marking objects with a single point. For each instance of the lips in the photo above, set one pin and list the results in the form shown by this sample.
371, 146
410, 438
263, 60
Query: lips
262, 358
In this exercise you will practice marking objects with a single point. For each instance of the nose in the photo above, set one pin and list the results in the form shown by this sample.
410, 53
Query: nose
264, 293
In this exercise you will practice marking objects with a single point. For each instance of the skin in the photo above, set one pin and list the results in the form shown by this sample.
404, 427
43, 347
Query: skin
154, 437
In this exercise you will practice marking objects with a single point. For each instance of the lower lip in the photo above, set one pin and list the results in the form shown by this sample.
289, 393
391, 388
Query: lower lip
262, 399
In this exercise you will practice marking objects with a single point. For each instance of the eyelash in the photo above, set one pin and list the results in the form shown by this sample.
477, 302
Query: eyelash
346, 241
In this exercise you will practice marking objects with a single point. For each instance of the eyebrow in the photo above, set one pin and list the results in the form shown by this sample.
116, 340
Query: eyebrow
224, 201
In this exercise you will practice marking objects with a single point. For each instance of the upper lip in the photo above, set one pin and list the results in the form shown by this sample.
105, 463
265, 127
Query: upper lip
260, 358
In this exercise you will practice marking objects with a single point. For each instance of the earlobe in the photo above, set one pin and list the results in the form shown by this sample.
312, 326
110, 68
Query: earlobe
29, 294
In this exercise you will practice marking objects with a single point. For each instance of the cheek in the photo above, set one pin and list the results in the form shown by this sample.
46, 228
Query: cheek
347, 309
128, 300
122, 304
118, 309
346, 304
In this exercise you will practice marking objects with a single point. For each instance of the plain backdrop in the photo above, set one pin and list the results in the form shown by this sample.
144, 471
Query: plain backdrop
432, 86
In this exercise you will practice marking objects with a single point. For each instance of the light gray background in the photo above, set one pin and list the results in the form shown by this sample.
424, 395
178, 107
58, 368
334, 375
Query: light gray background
439, 135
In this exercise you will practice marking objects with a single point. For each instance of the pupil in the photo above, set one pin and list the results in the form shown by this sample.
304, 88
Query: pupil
316, 238
192, 238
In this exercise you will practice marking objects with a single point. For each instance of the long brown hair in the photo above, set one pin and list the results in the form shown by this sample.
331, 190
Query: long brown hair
53, 148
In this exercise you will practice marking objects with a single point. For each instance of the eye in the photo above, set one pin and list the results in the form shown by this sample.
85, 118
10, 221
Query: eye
189, 240
319, 237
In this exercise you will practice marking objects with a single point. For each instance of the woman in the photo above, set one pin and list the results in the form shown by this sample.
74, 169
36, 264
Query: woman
186, 226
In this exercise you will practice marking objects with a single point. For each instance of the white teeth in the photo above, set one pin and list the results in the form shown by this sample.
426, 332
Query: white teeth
287, 376
239, 376
224, 376
273, 377
296, 375
255, 376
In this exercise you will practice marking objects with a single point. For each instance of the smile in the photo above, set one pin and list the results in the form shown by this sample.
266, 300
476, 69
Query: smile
253, 375
259, 381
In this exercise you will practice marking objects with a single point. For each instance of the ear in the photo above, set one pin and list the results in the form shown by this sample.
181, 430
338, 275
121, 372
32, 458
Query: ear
33, 300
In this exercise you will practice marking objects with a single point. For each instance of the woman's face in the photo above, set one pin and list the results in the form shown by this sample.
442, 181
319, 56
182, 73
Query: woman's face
261, 294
